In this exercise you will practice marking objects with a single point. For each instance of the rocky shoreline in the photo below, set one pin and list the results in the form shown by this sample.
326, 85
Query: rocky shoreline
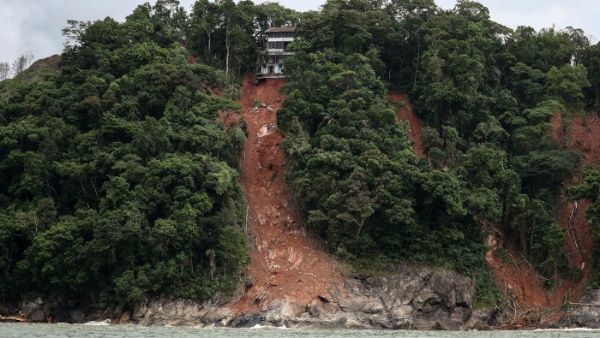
420, 299
410, 298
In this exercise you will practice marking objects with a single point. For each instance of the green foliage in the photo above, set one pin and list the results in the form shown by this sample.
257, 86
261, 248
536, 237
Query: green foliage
590, 58
544, 49
116, 180
567, 83
375, 200
117, 183
590, 189
487, 94
229, 35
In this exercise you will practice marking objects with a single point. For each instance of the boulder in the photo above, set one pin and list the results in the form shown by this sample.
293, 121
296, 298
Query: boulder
246, 321
483, 319
77, 316
164, 311
586, 313
29, 307
408, 298
124, 318
37, 316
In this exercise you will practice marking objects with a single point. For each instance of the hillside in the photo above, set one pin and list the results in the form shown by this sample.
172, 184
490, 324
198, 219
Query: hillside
416, 168
286, 263
117, 180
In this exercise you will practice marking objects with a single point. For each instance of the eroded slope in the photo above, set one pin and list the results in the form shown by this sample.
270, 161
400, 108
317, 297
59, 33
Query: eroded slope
287, 266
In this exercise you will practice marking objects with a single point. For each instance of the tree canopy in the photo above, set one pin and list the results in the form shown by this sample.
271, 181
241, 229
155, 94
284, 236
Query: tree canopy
486, 93
116, 181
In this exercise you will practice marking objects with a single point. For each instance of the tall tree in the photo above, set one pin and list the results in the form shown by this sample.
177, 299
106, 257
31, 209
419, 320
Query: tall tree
4, 70
22, 62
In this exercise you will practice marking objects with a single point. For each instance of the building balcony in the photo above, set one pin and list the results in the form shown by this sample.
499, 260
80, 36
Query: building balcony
278, 52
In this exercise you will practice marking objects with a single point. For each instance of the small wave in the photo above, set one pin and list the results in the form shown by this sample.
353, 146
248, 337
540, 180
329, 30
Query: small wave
586, 329
579, 329
269, 327
99, 323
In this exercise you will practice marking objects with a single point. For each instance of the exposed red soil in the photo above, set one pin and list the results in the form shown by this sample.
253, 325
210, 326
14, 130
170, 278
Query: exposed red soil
52, 62
531, 302
286, 264
406, 112
193, 59
581, 134
229, 119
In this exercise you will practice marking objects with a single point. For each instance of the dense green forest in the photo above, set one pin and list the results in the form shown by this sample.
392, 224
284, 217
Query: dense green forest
486, 93
117, 181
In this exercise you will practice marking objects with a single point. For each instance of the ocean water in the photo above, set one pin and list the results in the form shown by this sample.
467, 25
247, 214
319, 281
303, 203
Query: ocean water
97, 331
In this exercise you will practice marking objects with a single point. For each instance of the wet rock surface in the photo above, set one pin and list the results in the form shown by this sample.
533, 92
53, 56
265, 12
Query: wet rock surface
179, 312
585, 313
410, 298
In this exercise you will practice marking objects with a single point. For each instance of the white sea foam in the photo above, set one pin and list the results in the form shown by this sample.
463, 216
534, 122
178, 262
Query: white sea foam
99, 323
585, 329
258, 326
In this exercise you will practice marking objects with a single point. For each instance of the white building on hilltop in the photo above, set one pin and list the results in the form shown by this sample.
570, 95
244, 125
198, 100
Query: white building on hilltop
272, 62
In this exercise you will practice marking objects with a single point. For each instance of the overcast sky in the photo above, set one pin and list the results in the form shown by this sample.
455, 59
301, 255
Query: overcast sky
35, 25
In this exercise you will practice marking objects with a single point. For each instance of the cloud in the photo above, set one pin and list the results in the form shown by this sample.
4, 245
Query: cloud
543, 13
36, 25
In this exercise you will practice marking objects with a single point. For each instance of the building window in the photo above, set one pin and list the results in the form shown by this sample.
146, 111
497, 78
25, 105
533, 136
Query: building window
276, 45
275, 59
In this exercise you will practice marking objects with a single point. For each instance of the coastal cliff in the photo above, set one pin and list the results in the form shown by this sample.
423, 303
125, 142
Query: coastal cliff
409, 298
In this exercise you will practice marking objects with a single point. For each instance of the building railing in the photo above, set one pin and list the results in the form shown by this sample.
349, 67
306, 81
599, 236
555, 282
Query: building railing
261, 76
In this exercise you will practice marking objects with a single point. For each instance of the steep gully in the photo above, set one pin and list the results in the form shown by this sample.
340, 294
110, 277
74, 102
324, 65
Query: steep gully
287, 265
532, 304
529, 302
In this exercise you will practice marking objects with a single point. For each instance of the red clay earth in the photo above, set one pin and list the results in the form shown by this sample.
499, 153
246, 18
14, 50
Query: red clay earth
287, 265
406, 112
532, 304
582, 134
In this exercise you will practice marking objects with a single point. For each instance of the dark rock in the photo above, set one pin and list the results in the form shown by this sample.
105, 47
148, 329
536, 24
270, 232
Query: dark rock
29, 307
409, 298
8, 309
37, 316
586, 313
325, 298
77, 316
117, 318
246, 321
164, 311
485, 319
59, 312
217, 315
406, 298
